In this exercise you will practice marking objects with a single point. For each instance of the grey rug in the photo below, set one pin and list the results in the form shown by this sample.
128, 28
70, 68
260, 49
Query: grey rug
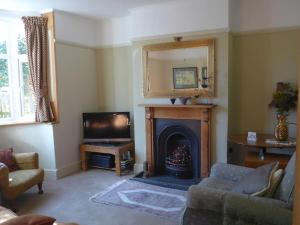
161, 201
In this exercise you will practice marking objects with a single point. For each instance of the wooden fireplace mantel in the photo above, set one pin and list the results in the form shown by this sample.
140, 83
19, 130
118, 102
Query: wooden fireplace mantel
184, 112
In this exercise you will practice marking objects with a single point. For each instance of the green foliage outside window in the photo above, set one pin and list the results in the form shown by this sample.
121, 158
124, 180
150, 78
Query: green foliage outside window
3, 73
3, 49
22, 49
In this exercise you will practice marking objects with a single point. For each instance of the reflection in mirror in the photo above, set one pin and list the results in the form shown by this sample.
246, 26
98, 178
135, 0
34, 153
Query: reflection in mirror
179, 69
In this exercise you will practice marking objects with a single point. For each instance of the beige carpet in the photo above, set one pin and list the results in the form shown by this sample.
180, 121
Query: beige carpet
67, 200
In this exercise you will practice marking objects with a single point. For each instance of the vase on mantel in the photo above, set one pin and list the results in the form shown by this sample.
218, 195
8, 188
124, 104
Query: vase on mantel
281, 129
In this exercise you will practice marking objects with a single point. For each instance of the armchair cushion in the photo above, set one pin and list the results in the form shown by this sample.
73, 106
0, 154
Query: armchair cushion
22, 180
229, 172
257, 182
7, 158
27, 160
245, 209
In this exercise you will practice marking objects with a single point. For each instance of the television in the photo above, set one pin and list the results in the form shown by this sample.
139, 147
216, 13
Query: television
106, 127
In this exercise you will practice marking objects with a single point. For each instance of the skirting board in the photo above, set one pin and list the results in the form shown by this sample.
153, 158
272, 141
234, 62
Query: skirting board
54, 174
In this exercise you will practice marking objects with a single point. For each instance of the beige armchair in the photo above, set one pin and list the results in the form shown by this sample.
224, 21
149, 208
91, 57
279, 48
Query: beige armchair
13, 184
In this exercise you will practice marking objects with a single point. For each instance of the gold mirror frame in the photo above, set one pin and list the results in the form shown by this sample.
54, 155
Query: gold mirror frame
207, 92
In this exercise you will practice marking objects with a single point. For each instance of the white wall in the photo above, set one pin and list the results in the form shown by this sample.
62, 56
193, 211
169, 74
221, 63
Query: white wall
78, 93
164, 19
264, 14
178, 17
113, 32
75, 29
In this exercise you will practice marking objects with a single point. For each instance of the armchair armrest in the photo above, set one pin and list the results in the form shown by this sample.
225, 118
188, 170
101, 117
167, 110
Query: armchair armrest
27, 160
4, 176
204, 198
256, 210
229, 171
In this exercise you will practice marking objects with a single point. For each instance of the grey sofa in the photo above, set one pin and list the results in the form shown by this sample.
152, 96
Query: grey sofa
212, 202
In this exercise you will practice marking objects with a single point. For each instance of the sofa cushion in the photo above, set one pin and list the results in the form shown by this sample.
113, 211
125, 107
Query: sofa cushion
30, 220
275, 181
216, 183
257, 182
286, 187
7, 158
22, 180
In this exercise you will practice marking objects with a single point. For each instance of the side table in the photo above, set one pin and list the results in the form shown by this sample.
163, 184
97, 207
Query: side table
116, 150
262, 152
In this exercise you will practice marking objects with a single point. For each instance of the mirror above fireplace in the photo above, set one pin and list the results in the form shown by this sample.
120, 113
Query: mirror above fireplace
178, 69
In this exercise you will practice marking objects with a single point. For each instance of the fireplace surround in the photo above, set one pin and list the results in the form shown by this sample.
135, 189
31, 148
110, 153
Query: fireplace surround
187, 127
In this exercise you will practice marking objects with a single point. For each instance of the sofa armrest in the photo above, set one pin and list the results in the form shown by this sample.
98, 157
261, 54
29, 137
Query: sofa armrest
255, 210
27, 160
204, 198
229, 171
4, 176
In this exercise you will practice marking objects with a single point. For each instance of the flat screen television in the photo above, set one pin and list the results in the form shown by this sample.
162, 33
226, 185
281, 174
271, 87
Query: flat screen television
106, 127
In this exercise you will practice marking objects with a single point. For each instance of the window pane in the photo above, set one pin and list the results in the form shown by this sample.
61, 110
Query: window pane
3, 37
28, 98
3, 73
22, 49
5, 110
3, 49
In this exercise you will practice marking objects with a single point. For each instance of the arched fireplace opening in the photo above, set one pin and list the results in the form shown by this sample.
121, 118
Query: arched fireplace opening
177, 151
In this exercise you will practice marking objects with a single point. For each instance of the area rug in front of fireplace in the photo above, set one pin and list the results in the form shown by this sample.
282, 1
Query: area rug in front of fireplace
161, 201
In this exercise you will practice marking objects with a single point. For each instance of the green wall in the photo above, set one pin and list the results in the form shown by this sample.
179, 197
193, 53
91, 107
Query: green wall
114, 68
259, 61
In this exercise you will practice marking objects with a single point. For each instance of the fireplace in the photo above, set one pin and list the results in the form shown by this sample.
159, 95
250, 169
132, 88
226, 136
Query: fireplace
178, 140
176, 148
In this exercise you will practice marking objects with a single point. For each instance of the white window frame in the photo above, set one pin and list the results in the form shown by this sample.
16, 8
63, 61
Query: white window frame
15, 75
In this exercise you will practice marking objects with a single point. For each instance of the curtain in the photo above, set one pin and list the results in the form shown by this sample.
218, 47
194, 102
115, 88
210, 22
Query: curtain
36, 33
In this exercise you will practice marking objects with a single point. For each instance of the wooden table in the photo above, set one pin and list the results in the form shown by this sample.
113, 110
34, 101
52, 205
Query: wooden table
262, 155
116, 150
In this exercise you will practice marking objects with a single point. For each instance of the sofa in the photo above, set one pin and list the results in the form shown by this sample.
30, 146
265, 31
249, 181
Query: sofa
13, 184
6, 215
212, 201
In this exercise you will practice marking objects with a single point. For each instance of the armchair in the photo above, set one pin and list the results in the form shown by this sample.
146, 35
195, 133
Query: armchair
212, 202
13, 184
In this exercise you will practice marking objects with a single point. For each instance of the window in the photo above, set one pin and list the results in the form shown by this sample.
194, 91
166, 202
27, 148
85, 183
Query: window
16, 94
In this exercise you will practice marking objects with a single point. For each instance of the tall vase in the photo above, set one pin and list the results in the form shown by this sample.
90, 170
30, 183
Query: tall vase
281, 129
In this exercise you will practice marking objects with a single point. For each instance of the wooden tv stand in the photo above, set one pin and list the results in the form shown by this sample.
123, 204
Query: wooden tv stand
115, 150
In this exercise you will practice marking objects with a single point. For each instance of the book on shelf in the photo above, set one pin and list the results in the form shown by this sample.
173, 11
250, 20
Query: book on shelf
290, 142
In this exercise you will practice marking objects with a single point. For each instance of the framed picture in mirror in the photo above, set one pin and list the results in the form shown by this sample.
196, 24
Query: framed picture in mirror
185, 77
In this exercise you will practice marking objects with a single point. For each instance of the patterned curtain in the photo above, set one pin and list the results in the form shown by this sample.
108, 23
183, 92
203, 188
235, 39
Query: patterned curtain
36, 32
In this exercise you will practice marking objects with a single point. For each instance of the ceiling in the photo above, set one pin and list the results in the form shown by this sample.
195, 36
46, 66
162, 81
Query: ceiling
97, 9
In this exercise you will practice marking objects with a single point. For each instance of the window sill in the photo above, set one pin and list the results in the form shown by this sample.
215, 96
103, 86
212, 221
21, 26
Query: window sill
25, 123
